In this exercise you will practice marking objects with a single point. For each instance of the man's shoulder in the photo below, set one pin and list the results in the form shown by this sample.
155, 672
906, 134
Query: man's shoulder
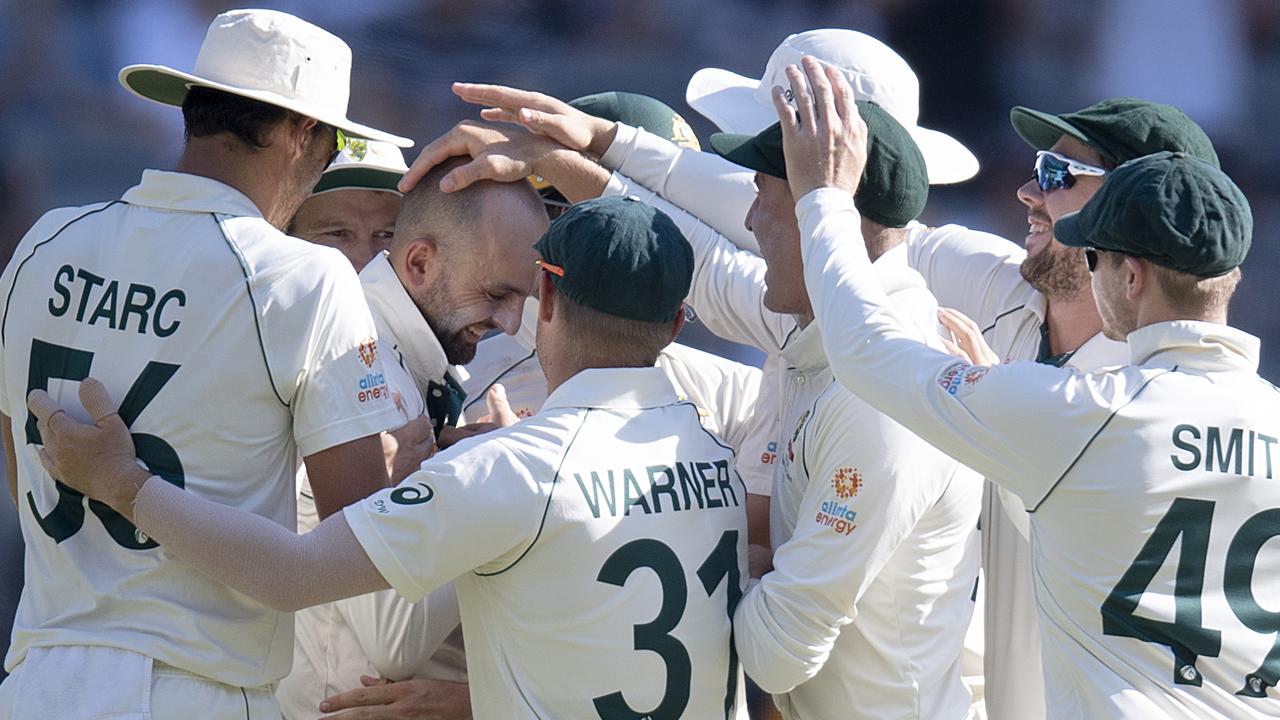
696, 363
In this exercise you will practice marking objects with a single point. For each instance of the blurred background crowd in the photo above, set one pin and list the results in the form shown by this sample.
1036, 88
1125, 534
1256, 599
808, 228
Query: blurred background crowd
71, 135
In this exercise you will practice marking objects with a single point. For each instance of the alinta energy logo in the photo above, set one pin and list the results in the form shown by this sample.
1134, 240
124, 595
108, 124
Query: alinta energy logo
838, 516
373, 386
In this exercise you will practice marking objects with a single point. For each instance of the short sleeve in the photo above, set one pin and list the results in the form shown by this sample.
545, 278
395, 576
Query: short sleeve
323, 327
462, 511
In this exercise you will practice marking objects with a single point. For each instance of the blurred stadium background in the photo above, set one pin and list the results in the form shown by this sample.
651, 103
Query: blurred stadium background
71, 135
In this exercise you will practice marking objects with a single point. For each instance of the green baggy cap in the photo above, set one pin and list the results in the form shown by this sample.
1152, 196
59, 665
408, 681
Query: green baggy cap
639, 111
619, 256
1120, 129
1170, 208
895, 183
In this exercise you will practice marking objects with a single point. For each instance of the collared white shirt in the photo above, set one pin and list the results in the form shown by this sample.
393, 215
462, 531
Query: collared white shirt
1117, 468
230, 348
724, 391
597, 547
378, 634
979, 274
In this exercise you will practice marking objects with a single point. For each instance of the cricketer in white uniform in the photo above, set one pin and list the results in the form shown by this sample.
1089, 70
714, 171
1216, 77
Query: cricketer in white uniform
728, 291
1115, 468
995, 283
377, 634
598, 547
233, 349
864, 614
727, 391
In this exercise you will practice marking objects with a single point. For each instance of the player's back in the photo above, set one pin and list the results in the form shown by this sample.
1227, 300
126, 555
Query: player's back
1156, 554
193, 314
621, 605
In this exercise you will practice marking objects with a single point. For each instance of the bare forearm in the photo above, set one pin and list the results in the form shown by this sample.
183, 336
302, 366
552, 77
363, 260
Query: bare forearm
254, 555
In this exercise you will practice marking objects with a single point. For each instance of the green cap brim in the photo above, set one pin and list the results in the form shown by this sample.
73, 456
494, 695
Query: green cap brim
357, 179
1067, 231
742, 150
1041, 129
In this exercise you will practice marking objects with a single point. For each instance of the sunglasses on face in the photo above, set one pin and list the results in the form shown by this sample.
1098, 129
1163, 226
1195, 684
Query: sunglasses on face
1091, 259
1058, 172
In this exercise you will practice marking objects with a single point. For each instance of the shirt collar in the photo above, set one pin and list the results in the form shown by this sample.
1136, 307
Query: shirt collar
189, 193
527, 335
397, 315
625, 388
1194, 345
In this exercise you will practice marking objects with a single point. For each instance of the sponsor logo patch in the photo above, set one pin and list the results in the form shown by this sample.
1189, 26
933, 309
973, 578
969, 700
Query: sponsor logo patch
368, 351
951, 378
837, 516
974, 375
846, 481
373, 386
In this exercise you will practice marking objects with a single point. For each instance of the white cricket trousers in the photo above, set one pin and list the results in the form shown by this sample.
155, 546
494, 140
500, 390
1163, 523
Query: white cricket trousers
81, 682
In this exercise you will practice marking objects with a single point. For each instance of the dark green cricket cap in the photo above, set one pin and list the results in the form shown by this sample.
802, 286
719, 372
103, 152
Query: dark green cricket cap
639, 111
1120, 129
619, 256
1171, 208
895, 183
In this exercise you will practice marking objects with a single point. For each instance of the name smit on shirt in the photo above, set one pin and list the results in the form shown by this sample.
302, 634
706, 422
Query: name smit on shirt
686, 486
1238, 451
80, 289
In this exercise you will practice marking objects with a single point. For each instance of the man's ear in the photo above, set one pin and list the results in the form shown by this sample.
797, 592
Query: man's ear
297, 134
1136, 276
546, 297
678, 324
422, 260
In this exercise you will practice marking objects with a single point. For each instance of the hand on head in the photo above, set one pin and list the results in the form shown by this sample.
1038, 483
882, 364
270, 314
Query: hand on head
507, 154
824, 139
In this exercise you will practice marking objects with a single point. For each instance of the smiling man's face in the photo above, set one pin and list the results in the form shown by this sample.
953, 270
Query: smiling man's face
1051, 267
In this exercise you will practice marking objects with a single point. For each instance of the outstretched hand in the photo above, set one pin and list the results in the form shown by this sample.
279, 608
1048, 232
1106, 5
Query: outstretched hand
98, 459
417, 698
824, 139
967, 342
541, 114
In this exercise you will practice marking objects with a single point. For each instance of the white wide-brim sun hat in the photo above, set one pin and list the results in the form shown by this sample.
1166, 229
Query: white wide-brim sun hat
269, 56
738, 104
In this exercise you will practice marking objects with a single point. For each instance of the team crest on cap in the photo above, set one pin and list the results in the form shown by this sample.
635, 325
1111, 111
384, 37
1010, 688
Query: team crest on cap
682, 134
368, 351
846, 481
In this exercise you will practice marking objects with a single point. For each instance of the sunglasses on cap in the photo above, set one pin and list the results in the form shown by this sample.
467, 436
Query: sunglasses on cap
357, 148
1058, 172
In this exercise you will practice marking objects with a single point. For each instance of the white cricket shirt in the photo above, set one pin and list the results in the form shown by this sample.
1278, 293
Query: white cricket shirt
598, 549
724, 391
230, 348
378, 634
851, 624
979, 274
1117, 470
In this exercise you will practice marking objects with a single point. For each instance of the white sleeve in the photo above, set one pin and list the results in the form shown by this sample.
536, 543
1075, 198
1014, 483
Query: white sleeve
397, 636
974, 272
475, 506
288, 571
322, 343
728, 284
993, 419
786, 625
706, 185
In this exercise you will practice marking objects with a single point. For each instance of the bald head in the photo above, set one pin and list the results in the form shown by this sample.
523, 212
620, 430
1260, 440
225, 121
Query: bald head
429, 212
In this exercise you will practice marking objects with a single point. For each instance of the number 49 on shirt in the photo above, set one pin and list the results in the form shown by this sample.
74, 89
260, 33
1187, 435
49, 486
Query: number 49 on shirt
1186, 636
